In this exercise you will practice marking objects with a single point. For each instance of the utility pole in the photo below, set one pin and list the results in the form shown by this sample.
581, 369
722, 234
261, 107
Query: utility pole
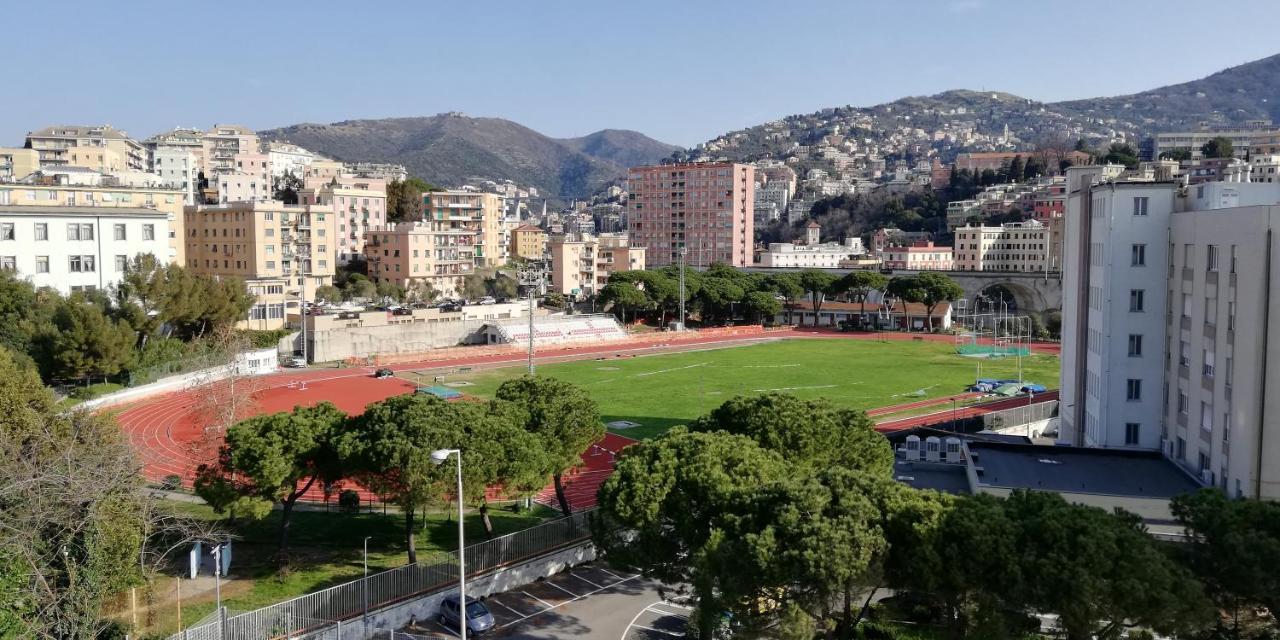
532, 275
682, 251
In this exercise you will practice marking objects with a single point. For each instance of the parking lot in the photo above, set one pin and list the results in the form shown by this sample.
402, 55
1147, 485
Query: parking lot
588, 601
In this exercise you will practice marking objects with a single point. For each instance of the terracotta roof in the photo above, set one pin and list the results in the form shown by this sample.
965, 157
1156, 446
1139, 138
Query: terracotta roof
527, 227
813, 225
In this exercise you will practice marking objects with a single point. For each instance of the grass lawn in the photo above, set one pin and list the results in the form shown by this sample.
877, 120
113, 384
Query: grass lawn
661, 391
326, 550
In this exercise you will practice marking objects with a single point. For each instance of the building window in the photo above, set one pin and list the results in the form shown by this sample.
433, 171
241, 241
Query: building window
1211, 258
42, 231
1140, 206
1208, 360
6, 231
1138, 255
122, 263
42, 264
1131, 432
149, 232
1135, 345
79, 231
8, 263
1206, 416
1136, 300
119, 232
271, 264
81, 264
1133, 389
1233, 258
1183, 402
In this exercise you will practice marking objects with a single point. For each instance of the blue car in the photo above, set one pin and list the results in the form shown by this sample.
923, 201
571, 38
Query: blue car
479, 620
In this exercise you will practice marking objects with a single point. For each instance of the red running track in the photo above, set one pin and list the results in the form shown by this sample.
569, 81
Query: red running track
168, 431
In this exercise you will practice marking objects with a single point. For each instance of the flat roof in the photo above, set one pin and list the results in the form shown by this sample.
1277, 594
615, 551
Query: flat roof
1078, 470
947, 478
62, 210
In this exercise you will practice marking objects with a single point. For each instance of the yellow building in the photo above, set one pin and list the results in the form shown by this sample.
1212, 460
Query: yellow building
528, 242
282, 252
167, 201
17, 163
581, 266
481, 213
56, 144
433, 252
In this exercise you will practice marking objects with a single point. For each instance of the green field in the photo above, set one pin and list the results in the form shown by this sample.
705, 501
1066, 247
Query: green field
661, 391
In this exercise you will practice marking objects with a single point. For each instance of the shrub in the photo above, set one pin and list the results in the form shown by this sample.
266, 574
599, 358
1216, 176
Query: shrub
171, 482
349, 501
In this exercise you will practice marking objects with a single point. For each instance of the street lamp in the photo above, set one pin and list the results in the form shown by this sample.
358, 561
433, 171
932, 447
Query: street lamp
438, 457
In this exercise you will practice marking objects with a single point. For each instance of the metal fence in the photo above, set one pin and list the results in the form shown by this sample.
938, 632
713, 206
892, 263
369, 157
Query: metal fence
436, 572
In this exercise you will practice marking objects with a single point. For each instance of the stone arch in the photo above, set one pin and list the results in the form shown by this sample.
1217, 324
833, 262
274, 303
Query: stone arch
1021, 299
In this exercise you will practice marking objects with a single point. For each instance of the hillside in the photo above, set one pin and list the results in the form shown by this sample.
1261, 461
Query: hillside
960, 120
454, 149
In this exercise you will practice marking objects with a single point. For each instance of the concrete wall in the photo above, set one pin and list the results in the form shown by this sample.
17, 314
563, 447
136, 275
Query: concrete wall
362, 342
396, 616
253, 363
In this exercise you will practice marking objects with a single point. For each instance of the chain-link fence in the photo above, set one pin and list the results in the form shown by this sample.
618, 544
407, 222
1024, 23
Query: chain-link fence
315, 614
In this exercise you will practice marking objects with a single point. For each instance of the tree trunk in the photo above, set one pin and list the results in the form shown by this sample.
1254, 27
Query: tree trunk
560, 497
286, 516
846, 617
862, 313
484, 517
409, 541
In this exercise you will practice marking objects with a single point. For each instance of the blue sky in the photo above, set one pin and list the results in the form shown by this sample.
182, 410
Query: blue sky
680, 71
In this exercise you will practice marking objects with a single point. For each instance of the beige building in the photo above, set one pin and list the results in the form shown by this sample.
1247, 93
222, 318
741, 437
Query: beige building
282, 252
248, 178
16, 163
164, 200
179, 141
409, 253
528, 242
1014, 246
581, 265
56, 144
222, 144
481, 213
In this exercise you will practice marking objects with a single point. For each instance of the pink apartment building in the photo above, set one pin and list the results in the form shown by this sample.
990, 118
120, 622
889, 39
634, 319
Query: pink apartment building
705, 207
920, 256
359, 204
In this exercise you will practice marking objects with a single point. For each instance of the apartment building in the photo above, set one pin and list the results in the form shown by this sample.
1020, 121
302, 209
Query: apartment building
282, 252
17, 163
1014, 246
359, 204
481, 213
528, 242
581, 265
284, 158
78, 248
222, 144
177, 168
1242, 137
180, 139
435, 252
1222, 329
246, 178
77, 145
705, 209
51, 193
919, 256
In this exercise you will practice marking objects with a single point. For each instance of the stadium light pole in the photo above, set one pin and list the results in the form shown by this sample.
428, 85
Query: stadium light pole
531, 275
366, 581
438, 457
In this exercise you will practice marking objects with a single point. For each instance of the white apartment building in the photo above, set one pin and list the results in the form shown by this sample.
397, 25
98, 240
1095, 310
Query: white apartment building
828, 255
78, 248
1162, 282
178, 169
283, 158
1014, 246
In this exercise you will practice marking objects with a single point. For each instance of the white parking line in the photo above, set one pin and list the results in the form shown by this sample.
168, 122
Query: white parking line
676, 634
677, 605
572, 594
551, 607
585, 580
603, 570
492, 601
655, 609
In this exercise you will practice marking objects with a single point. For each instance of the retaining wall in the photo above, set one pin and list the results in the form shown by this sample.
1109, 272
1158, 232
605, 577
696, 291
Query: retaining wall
253, 363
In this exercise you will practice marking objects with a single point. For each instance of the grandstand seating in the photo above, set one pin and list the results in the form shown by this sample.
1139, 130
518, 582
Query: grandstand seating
580, 329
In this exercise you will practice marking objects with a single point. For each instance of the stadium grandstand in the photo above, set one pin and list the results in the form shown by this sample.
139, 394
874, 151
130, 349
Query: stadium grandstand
557, 329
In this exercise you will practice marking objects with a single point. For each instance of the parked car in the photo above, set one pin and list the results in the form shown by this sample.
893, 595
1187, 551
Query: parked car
297, 362
487, 300
382, 374
479, 620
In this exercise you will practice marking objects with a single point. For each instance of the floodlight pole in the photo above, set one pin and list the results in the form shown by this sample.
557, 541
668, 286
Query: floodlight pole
682, 251
531, 275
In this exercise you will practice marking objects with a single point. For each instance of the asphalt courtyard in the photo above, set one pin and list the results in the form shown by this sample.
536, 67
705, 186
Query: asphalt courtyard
588, 601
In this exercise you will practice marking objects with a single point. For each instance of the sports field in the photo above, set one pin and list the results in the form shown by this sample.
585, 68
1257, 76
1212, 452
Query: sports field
661, 391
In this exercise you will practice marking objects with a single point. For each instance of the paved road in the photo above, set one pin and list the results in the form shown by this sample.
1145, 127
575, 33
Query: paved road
588, 601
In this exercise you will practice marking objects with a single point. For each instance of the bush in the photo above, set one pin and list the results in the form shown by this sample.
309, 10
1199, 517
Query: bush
349, 501
265, 339
171, 482
95, 390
